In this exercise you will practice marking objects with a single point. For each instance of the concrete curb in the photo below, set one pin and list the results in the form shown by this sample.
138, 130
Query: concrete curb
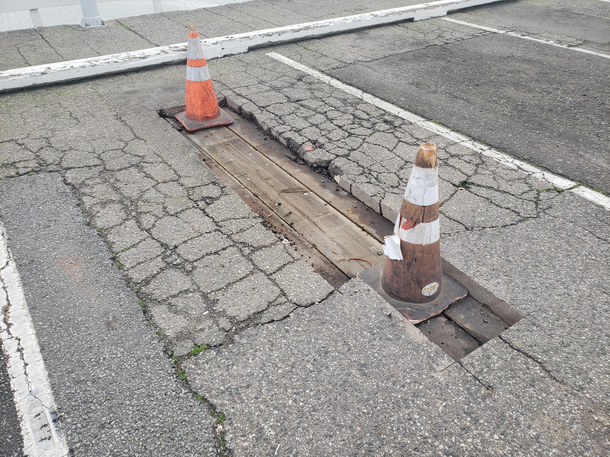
21, 78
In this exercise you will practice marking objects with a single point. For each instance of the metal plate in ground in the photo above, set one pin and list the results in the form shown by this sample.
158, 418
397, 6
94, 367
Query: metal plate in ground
451, 291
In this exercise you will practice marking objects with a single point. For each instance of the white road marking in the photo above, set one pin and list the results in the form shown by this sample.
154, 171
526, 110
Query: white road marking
27, 373
557, 181
524, 37
222, 46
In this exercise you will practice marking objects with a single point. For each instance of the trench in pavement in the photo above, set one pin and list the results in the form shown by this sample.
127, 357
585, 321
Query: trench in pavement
339, 235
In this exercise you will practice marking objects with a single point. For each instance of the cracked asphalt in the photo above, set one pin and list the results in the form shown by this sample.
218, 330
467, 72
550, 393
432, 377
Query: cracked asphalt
295, 367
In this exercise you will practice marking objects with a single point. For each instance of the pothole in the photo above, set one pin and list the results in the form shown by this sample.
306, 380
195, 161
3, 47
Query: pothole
338, 234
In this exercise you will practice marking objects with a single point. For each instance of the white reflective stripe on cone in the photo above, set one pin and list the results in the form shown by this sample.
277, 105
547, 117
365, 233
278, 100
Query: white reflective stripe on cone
422, 189
194, 49
424, 233
197, 74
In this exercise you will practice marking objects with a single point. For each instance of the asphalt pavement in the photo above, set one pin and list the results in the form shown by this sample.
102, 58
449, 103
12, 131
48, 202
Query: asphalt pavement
115, 386
12, 443
172, 321
541, 104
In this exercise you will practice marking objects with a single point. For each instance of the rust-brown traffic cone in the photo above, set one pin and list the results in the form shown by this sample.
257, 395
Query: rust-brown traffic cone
414, 273
411, 280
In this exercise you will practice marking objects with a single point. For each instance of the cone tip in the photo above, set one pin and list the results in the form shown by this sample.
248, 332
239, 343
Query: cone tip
426, 156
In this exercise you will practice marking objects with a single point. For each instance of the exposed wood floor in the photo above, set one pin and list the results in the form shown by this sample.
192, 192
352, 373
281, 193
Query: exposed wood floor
301, 205
328, 226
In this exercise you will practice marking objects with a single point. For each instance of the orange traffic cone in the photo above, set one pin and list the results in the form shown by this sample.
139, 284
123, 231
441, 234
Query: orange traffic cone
411, 279
202, 110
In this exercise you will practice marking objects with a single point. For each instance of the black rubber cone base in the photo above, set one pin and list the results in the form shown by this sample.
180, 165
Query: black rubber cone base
451, 291
193, 126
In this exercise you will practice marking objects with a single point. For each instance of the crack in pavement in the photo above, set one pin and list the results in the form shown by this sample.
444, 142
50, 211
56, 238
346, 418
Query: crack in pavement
136, 33
33, 399
539, 363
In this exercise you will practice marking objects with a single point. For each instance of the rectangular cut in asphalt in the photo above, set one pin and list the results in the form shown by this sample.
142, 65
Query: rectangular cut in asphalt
479, 321
114, 388
330, 370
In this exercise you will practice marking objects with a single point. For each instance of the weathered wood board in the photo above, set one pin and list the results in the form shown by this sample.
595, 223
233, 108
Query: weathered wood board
357, 212
291, 200
478, 320
448, 336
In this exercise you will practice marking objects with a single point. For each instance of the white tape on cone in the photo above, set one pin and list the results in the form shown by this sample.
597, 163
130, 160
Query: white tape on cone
195, 51
424, 233
391, 248
422, 189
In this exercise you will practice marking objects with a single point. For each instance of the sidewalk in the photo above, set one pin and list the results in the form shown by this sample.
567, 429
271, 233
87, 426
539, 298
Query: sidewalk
69, 42
295, 367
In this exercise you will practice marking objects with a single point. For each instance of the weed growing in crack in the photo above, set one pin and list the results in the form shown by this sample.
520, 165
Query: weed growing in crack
603, 192
181, 374
197, 349
220, 418
142, 304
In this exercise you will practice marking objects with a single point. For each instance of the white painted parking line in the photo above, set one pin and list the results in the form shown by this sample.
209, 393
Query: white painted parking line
557, 181
27, 373
524, 37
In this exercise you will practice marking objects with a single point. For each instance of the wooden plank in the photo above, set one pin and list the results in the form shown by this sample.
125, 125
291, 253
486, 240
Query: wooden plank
478, 320
448, 336
331, 233
356, 211
333, 275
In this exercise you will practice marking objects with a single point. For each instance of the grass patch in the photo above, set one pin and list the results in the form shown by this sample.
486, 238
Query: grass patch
197, 349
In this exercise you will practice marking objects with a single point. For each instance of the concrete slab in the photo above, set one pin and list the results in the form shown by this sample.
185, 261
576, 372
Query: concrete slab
286, 383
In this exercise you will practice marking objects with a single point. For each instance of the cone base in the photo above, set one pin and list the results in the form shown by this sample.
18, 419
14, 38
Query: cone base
451, 291
193, 126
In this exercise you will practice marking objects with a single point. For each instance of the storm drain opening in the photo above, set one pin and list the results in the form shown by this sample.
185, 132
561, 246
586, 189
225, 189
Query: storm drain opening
335, 232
